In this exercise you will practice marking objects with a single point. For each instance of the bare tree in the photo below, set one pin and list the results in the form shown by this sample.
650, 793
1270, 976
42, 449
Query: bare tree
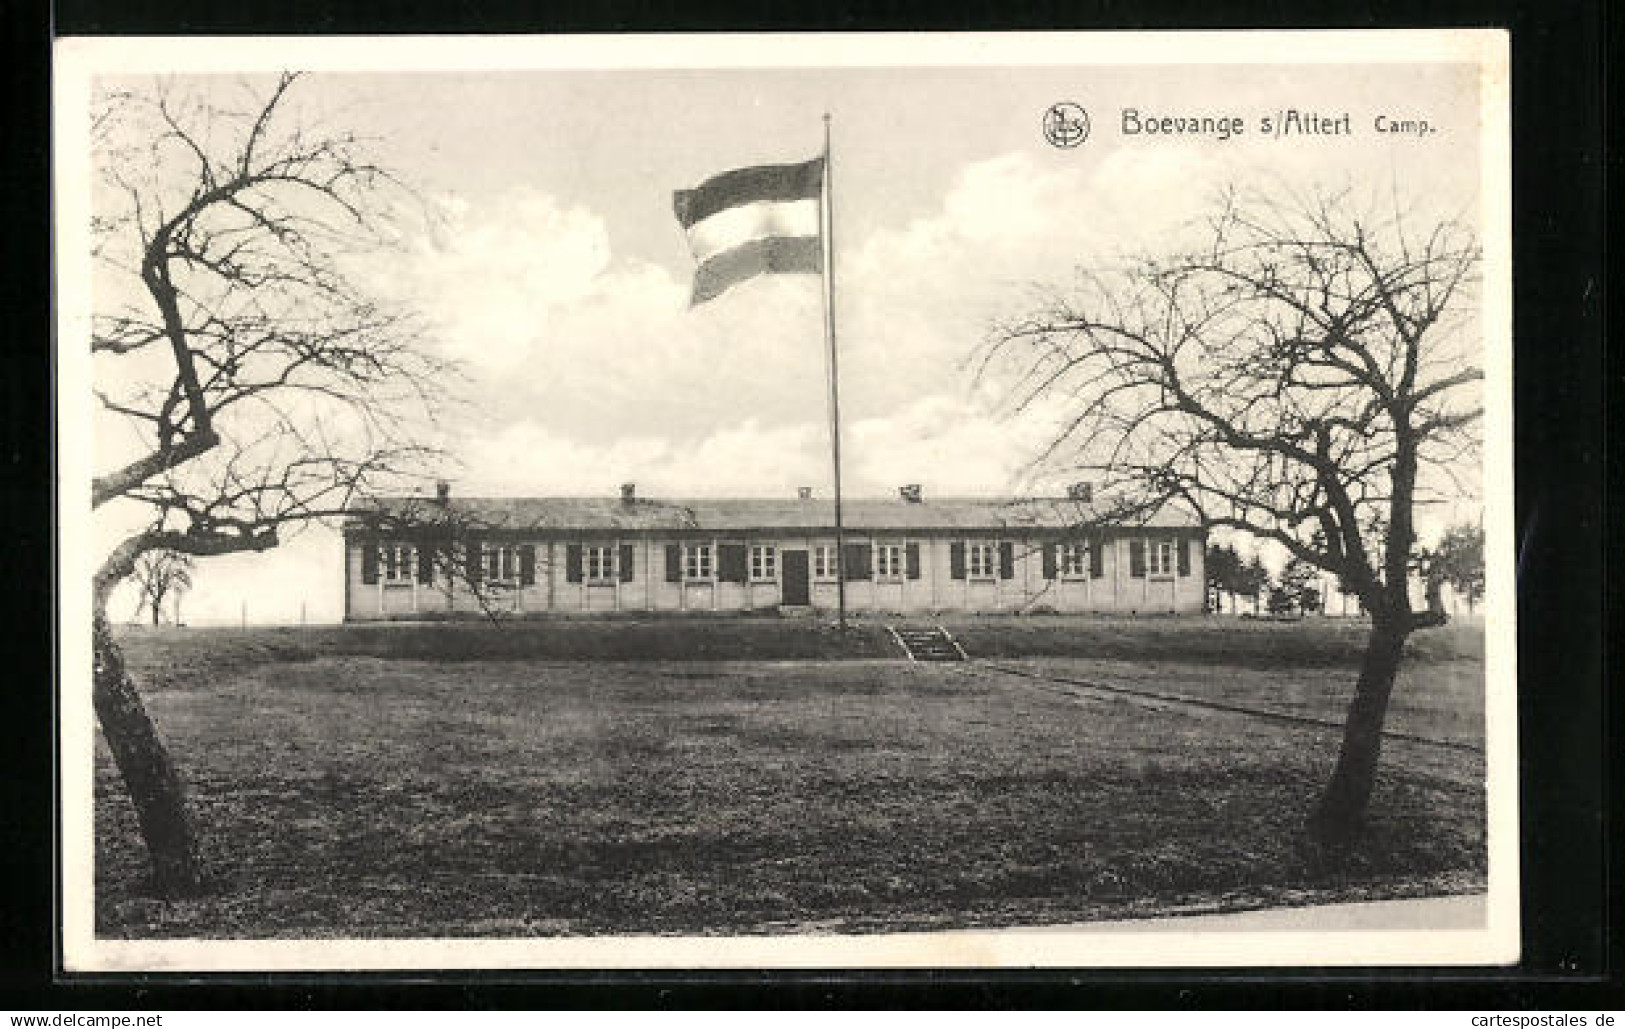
468, 553
1290, 375
257, 380
159, 574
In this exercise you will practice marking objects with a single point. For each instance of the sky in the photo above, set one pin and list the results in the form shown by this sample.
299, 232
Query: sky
556, 274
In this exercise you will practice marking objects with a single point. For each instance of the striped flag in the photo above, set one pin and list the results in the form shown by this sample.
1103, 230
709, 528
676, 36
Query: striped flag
752, 221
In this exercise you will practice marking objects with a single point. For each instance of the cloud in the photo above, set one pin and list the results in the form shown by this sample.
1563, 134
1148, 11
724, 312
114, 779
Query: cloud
949, 444
552, 328
559, 333
589, 371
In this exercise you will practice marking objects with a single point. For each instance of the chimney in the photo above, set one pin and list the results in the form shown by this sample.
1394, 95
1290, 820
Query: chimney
804, 492
629, 493
1082, 492
442, 491
910, 493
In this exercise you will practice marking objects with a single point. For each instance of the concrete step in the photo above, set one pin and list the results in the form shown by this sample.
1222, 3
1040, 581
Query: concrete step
928, 644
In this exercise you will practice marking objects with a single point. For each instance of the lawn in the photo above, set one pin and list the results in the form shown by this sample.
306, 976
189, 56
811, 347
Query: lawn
350, 786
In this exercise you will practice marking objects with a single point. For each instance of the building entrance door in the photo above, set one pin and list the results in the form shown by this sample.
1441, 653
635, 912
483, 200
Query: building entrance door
795, 578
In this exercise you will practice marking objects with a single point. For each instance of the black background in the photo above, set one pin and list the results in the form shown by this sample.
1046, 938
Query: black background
1569, 730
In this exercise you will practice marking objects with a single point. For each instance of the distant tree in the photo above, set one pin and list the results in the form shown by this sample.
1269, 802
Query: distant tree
1253, 580
1301, 583
1288, 374
1311, 600
1281, 600
1457, 561
261, 382
159, 574
1223, 569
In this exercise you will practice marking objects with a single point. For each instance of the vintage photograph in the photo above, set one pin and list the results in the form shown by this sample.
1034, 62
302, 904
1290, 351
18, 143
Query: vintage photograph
786, 501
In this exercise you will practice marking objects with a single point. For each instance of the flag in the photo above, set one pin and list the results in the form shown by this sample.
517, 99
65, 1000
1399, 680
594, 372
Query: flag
751, 221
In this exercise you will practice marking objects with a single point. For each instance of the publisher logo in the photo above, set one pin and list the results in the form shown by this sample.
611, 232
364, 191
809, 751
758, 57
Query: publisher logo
1066, 125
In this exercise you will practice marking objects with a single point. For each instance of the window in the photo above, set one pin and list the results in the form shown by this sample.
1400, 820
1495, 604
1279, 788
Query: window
1159, 557
763, 564
396, 560
980, 560
697, 561
600, 564
824, 562
888, 561
501, 564
1074, 560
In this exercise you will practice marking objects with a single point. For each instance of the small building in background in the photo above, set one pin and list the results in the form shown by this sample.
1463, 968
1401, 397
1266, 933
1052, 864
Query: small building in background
421, 558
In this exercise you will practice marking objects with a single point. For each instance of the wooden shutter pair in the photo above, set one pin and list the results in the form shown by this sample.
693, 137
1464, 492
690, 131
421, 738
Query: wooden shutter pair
1136, 558
369, 563
911, 560
1095, 548
855, 562
674, 562
574, 563
527, 565
1185, 556
426, 551
956, 560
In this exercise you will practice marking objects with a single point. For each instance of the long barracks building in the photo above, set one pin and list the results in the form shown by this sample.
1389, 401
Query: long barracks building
415, 557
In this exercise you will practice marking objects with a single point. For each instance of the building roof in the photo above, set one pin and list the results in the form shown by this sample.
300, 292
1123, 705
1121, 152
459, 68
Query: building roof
565, 514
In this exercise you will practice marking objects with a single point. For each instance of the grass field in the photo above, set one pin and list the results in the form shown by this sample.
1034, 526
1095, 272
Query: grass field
351, 785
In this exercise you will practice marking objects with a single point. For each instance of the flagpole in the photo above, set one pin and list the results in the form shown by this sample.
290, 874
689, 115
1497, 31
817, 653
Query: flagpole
827, 234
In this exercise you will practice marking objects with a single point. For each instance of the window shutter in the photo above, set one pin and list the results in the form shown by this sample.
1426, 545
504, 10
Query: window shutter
1136, 558
572, 562
911, 560
856, 561
426, 555
732, 565
1097, 558
956, 559
674, 562
369, 563
527, 565
1049, 560
1184, 545
627, 558
473, 561
1007, 560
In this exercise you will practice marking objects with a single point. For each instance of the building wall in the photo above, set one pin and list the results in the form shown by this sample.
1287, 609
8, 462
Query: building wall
1114, 591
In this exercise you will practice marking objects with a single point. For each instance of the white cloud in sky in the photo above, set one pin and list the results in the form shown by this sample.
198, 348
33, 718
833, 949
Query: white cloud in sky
496, 276
950, 443
553, 329
588, 371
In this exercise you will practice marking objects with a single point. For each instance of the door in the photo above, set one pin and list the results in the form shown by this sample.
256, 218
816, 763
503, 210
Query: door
795, 578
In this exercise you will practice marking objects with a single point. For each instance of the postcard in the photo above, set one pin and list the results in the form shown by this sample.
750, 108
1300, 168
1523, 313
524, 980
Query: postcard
786, 501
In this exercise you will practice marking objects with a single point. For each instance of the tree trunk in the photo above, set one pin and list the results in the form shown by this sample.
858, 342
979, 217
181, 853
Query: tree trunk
156, 601
149, 776
1340, 815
